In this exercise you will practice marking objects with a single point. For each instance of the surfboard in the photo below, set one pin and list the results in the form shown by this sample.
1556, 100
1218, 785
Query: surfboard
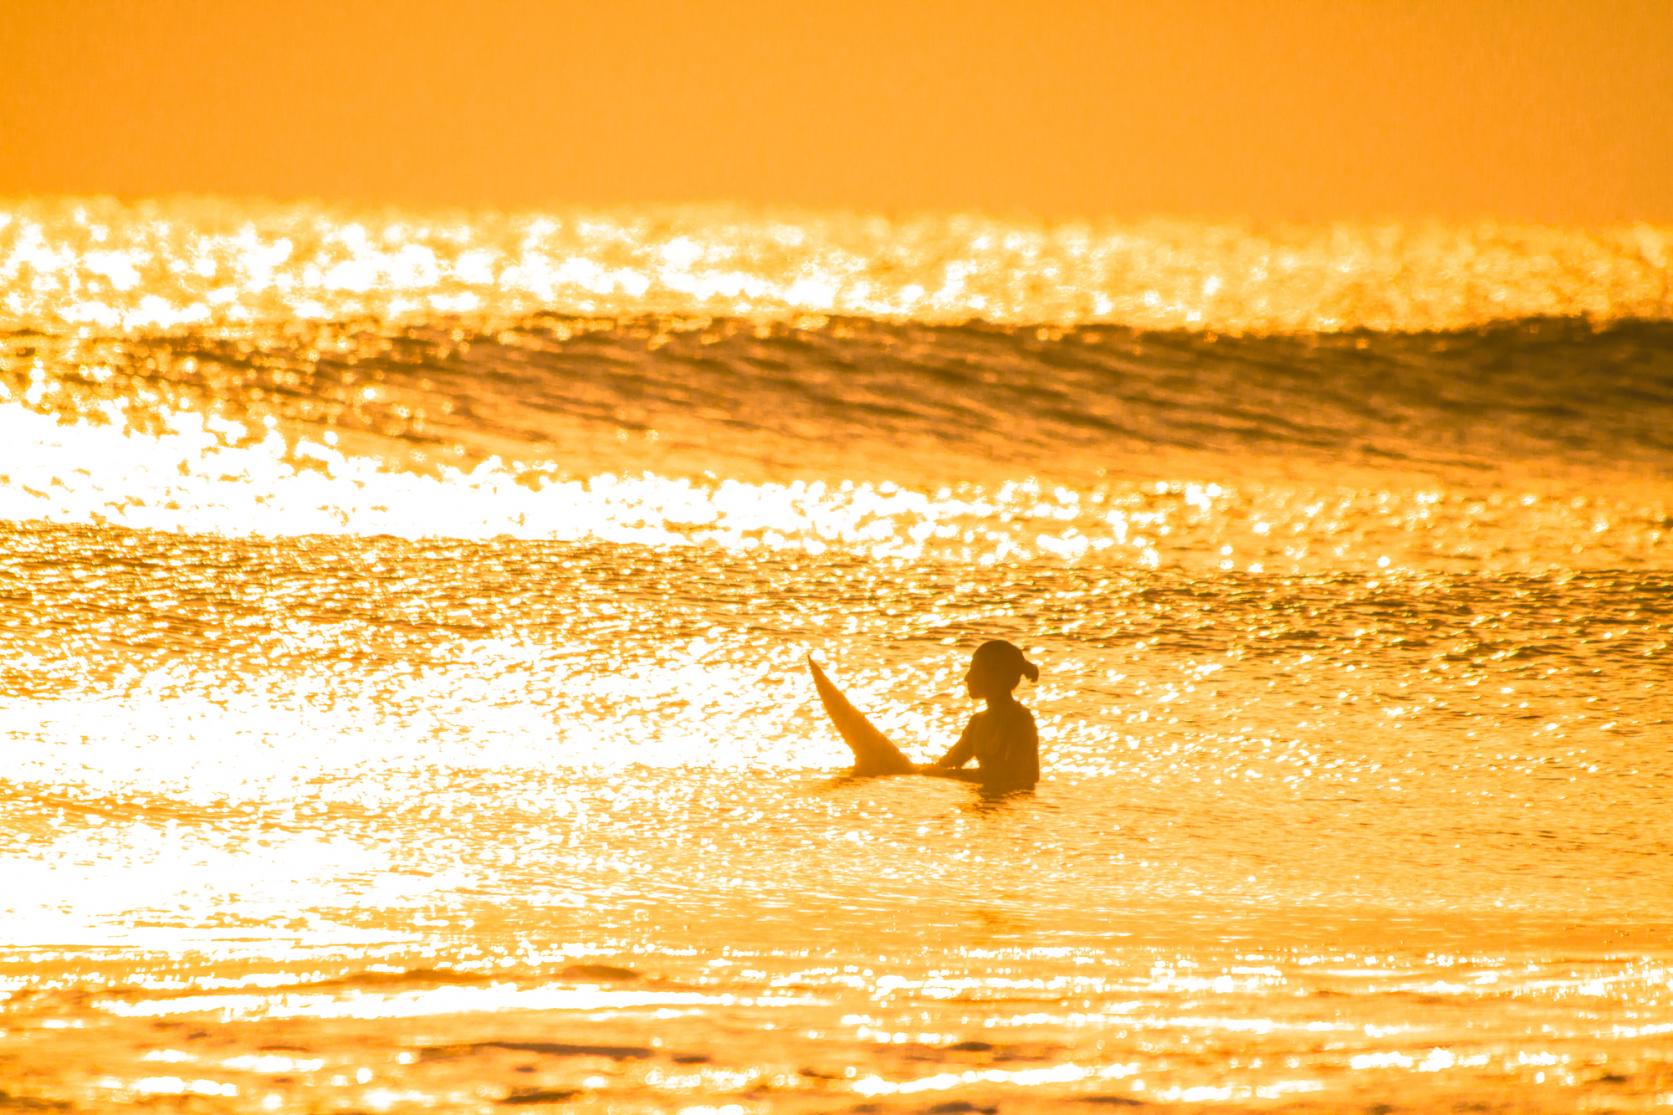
873, 752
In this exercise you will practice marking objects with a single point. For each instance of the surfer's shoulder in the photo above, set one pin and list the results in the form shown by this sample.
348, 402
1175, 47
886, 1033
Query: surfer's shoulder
1018, 723
1018, 712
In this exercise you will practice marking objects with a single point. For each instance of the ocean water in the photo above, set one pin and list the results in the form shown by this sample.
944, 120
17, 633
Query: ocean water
402, 619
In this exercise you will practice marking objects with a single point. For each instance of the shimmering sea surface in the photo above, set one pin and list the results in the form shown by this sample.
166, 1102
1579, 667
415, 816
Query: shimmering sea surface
401, 692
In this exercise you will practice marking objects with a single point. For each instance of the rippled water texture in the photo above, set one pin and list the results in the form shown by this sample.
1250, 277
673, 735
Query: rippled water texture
401, 689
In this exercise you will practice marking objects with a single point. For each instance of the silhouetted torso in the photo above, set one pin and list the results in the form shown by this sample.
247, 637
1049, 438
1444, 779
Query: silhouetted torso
1005, 744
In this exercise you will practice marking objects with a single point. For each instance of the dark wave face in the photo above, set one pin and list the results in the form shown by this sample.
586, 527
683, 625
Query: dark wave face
912, 403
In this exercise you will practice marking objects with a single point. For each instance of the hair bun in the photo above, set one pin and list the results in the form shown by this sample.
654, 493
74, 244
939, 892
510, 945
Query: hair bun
1007, 658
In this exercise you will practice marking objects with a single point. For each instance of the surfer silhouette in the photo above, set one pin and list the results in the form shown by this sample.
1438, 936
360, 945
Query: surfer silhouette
1001, 738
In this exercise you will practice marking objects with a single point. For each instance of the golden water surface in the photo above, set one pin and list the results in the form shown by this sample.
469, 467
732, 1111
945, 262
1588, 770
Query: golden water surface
402, 616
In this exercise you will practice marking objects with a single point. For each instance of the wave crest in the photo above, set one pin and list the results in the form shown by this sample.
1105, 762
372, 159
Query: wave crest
149, 266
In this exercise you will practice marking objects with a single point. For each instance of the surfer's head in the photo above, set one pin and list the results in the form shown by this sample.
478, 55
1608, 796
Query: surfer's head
995, 669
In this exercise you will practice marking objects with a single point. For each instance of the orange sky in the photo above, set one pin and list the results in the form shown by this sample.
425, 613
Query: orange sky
1511, 108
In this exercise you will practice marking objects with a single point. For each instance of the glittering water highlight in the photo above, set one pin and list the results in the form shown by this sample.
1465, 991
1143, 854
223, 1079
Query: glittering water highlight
400, 673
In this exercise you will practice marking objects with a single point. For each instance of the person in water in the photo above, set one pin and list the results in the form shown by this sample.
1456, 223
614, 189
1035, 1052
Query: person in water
1002, 738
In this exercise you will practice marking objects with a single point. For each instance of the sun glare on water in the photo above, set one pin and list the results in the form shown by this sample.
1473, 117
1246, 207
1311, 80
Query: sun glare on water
404, 635
213, 264
86, 285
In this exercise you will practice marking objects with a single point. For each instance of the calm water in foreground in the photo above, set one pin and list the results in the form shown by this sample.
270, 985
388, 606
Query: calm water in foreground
401, 699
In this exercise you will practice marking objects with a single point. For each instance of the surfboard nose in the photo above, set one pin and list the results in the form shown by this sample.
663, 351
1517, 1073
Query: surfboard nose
873, 751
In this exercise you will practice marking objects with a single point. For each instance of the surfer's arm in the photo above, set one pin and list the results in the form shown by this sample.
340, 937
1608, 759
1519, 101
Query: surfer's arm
961, 752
